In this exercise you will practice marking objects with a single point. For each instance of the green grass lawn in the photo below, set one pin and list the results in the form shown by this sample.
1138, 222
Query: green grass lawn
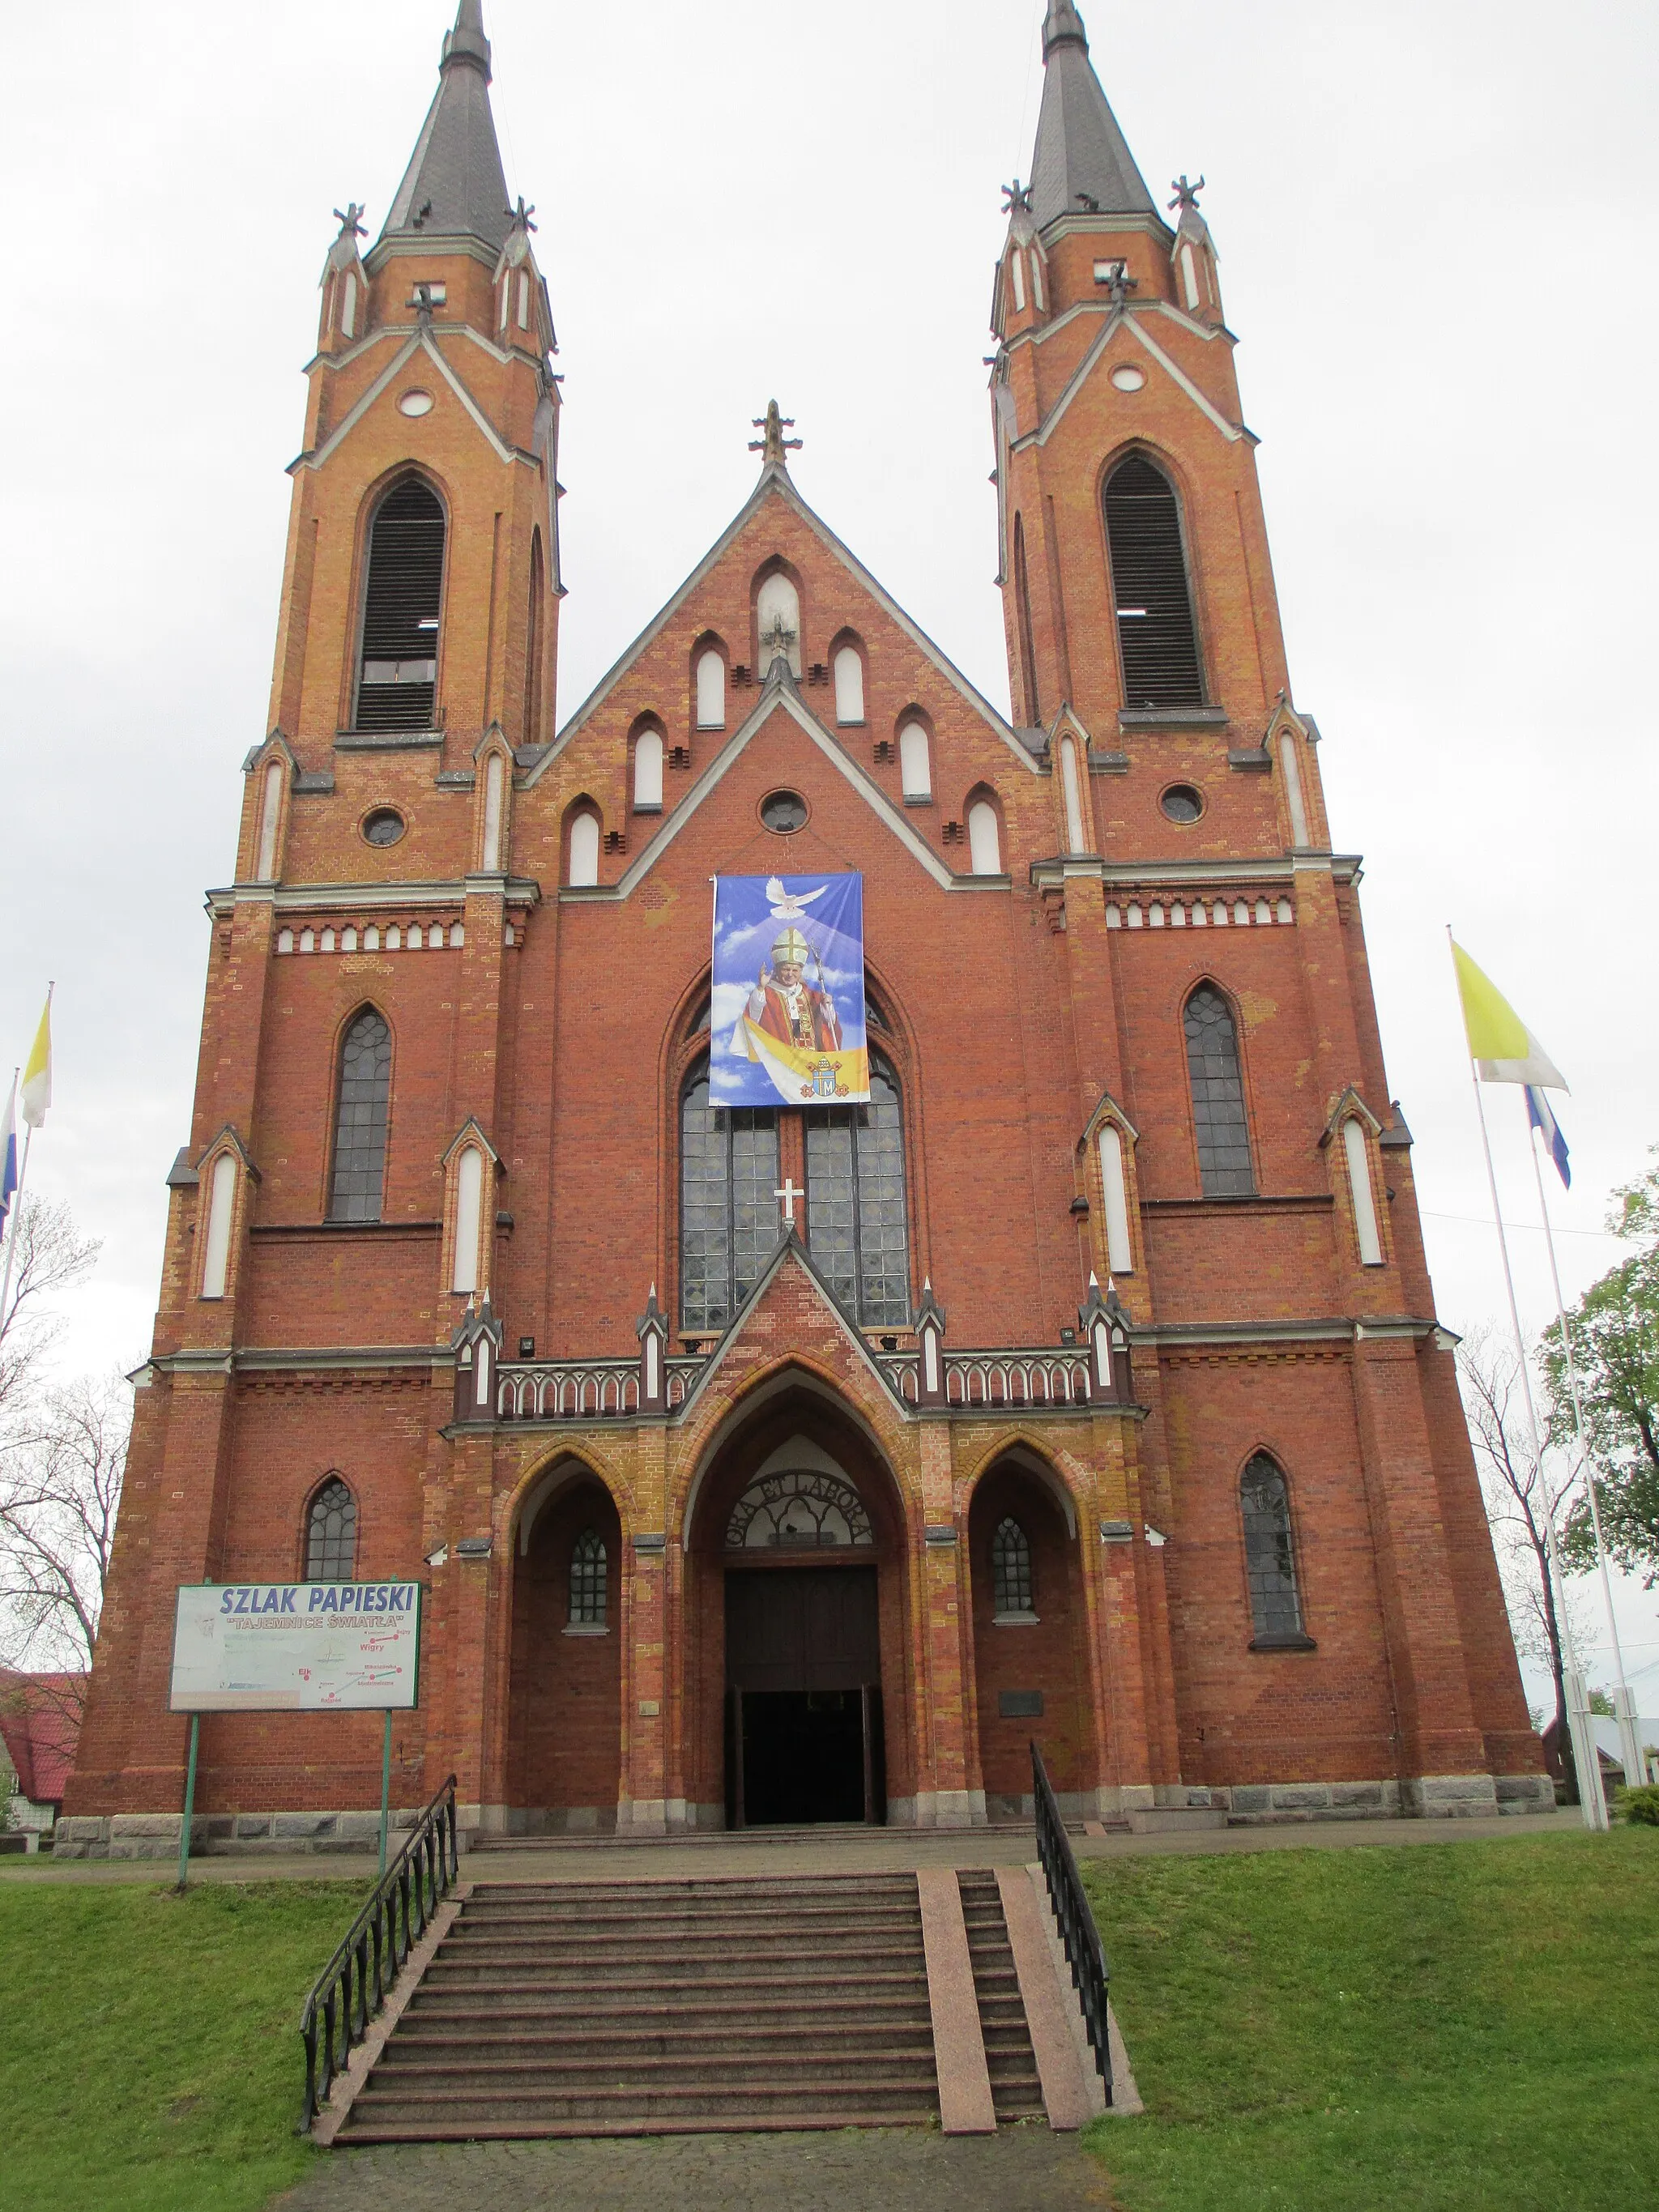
148, 2060
1466, 2026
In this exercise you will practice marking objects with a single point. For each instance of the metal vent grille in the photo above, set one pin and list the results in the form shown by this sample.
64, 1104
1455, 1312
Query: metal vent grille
398, 685
1149, 575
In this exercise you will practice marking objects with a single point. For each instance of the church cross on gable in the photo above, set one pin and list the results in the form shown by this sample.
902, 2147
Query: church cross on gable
702, 1297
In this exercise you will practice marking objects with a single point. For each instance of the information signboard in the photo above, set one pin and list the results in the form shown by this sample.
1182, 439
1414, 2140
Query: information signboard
304, 1647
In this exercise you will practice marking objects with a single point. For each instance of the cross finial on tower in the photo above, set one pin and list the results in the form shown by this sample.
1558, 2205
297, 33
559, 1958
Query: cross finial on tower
519, 216
1186, 195
352, 221
772, 442
1016, 195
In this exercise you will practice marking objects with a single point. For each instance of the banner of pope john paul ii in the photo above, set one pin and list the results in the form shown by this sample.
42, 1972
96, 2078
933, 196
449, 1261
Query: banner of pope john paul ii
787, 1024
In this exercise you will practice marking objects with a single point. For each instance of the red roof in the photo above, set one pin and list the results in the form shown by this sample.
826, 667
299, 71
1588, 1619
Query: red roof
41, 1721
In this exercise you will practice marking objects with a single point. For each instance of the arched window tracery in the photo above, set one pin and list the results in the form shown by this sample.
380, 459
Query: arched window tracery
362, 1102
728, 1215
332, 1534
857, 1214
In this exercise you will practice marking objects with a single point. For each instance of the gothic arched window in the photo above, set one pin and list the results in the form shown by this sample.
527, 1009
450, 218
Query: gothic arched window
587, 1581
332, 1534
1218, 1122
1010, 1569
398, 678
647, 771
1155, 625
360, 1119
1269, 1559
856, 1215
584, 867
728, 1214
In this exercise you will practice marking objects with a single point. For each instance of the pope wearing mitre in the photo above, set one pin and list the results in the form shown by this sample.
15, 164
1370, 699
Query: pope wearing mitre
785, 1005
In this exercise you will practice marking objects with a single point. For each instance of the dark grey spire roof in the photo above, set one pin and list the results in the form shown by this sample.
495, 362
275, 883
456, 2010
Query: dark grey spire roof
454, 185
1079, 149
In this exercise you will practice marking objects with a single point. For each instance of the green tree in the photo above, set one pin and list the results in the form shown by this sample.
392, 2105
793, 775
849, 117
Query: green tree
1614, 1333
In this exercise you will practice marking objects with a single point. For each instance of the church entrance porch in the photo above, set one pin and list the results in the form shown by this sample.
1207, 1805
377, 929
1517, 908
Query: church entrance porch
802, 1664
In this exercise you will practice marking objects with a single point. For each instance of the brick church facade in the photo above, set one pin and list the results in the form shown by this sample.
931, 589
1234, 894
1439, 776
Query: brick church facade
788, 1465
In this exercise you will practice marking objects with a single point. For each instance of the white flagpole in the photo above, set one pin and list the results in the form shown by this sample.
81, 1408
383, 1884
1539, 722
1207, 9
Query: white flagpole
1630, 1745
1587, 1766
17, 1220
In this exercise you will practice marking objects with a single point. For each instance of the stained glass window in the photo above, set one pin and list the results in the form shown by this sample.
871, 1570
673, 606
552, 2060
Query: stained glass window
359, 1120
1269, 1561
332, 1534
728, 1215
1010, 1569
856, 1219
587, 1585
1223, 1137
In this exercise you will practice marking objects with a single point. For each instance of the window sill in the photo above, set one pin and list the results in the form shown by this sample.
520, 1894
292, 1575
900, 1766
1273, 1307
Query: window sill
263, 1230
1171, 718
586, 1628
1295, 1202
1016, 1619
387, 741
918, 798
1284, 1642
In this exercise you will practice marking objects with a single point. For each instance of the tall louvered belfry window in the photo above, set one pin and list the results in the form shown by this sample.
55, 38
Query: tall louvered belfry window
1218, 1082
1148, 580
359, 1120
399, 675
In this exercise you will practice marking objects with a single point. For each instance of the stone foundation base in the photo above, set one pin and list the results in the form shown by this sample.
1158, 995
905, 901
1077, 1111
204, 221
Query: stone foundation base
223, 1835
1428, 1797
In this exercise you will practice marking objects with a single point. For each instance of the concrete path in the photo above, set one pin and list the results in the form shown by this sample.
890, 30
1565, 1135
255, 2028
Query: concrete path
842, 1850
1024, 2169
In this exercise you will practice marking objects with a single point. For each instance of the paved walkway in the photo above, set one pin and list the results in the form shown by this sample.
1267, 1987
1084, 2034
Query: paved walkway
855, 1850
1024, 2169
879, 1850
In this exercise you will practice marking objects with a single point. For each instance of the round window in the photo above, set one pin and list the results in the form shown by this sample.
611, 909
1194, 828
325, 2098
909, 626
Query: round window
783, 810
414, 403
1182, 803
1128, 378
384, 826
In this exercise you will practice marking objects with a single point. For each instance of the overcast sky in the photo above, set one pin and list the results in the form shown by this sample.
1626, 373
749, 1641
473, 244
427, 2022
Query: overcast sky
1435, 222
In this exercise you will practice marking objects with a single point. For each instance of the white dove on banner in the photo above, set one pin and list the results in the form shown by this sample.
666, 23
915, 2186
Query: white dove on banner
789, 906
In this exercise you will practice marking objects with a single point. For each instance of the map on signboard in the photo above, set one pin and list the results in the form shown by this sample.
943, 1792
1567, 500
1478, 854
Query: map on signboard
275, 1647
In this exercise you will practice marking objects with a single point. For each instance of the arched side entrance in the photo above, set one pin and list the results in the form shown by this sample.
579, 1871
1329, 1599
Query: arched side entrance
1030, 1664
564, 1746
797, 1649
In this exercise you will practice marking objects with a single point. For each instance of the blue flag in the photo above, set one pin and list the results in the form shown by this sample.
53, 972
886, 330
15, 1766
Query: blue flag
1539, 1113
8, 1154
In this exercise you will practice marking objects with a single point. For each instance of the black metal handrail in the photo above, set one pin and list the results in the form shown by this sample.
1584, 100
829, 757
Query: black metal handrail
352, 1988
1078, 1931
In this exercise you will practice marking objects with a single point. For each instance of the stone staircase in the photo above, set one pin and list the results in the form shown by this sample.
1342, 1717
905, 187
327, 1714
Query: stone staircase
662, 2008
1010, 2059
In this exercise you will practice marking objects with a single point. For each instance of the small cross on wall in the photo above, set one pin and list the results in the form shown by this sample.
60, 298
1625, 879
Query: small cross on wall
786, 1198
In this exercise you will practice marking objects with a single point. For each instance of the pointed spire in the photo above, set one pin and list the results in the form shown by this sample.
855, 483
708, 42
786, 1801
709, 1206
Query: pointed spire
1082, 165
454, 185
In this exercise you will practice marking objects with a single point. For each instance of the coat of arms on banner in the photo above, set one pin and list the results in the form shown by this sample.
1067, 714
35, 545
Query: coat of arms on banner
786, 1023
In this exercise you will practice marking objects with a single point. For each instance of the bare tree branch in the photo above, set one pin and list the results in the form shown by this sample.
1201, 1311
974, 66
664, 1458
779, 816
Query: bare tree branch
60, 1490
52, 1256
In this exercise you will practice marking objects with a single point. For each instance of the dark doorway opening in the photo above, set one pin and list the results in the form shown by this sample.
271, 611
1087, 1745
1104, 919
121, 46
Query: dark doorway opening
803, 1671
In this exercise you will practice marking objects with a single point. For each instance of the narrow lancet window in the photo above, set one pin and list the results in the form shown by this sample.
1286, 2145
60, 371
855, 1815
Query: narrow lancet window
585, 850
1155, 626
647, 772
711, 689
1011, 1572
849, 684
587, 1581
1269, 1559
1218, 1083
359, 1120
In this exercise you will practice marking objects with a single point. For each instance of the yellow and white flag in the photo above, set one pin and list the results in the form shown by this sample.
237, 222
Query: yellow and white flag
1502, 1047
37, 1072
